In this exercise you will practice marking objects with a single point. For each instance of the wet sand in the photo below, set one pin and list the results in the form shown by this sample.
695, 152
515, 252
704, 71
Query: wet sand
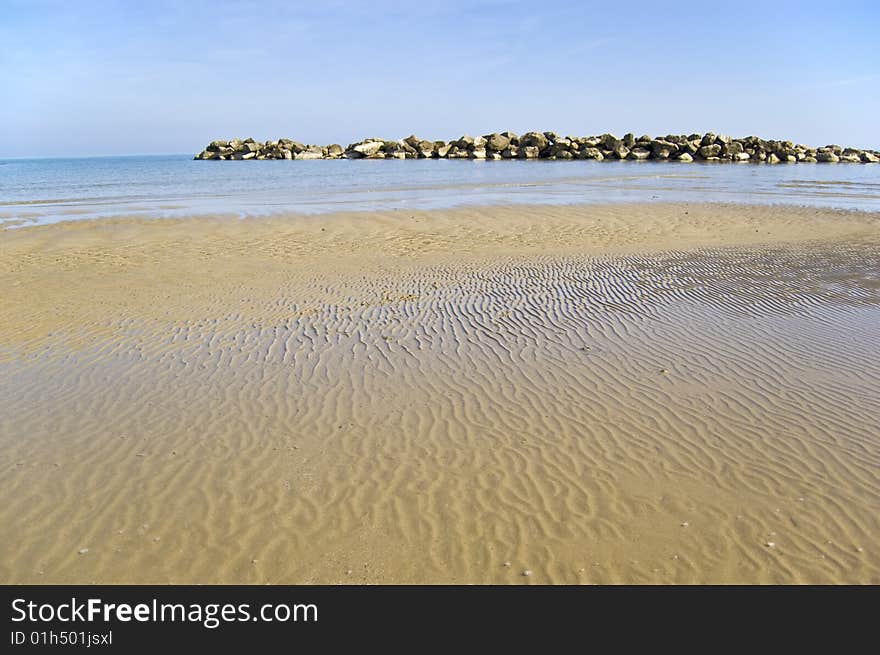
624, 394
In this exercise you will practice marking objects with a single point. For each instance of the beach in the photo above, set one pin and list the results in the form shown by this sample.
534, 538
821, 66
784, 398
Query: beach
576, 394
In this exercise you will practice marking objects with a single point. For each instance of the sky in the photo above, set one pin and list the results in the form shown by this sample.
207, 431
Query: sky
148, 77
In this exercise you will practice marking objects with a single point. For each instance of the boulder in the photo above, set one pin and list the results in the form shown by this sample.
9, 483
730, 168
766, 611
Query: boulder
684, 156
592, 153
639, 153
712, 150
869, 157
533, 140
663, 149
620, 151
334, 150
510, 152
478, 153
732, 148
496, 142
442, 149
610, 142
827, 155
368, 148
529, 152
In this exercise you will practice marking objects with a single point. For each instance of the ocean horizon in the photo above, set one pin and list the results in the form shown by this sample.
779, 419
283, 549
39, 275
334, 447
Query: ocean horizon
36, 191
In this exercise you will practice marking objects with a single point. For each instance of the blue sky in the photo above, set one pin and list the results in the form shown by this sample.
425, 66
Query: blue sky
115, 77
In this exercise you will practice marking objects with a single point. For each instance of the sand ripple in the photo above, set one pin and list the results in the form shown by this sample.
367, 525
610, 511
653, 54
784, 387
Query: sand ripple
700, 415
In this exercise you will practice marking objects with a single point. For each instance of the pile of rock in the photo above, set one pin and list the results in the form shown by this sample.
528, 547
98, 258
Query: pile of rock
549, 145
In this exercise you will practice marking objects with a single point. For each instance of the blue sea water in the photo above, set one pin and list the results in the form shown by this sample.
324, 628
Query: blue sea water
36, 191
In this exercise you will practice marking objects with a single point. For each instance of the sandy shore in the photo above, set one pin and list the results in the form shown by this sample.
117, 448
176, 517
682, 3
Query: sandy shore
626, 394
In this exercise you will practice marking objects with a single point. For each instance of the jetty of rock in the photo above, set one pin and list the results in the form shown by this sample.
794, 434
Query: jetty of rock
549, 145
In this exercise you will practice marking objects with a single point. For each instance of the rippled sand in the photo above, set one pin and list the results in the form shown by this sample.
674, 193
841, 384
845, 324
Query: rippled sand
630, 394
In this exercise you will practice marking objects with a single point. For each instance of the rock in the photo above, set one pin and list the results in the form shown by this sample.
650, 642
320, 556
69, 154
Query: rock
732, 148
512, 137
610, 142
496, 142
712, 150
366, 148
620, 151
83, 551
526, 573
663, 149
546, 145
534, 140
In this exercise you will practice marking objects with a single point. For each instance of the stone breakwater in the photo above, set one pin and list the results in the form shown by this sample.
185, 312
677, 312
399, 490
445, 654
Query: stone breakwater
548, 145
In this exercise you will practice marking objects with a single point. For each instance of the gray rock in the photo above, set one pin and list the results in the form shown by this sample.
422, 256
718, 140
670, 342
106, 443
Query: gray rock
712, 150
533, 139
639, 153
663, 149
496, 142
620, 151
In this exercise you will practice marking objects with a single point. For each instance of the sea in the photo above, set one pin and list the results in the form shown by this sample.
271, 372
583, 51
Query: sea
40, 191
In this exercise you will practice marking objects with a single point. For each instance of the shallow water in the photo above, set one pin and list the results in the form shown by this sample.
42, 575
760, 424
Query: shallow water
36, 191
